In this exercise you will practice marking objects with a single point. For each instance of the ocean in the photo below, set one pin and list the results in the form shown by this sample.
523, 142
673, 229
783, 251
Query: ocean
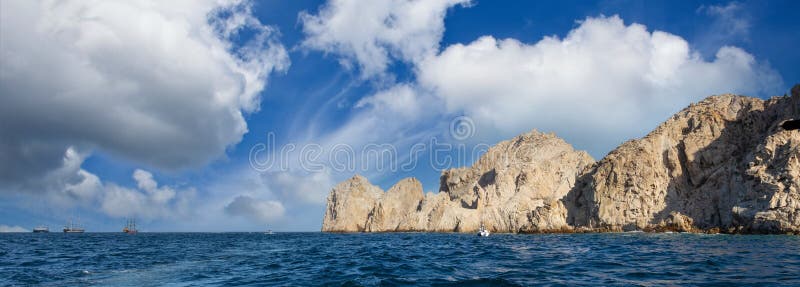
395, 259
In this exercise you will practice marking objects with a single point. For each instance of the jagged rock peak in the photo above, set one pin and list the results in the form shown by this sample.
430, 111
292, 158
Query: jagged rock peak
348, 205
515, 187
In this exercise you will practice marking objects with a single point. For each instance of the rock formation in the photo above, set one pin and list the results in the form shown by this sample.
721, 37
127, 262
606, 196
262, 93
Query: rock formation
724, 164
515, 187
349, 203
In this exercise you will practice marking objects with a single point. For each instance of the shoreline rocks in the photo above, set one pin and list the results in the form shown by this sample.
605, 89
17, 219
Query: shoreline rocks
721, 165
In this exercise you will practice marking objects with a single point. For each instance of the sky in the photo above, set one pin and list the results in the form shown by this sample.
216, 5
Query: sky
235, 115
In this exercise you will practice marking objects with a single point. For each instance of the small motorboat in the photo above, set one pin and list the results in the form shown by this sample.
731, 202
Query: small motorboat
483, 232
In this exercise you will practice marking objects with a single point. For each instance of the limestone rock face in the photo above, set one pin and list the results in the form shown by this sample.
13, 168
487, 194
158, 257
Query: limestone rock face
724, 164
349, 205
396, 207
517, 186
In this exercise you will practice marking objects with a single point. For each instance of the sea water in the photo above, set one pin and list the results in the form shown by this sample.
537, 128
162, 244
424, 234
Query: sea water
308, 259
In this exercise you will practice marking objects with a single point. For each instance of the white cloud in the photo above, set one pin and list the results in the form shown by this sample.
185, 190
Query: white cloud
263, 211
241, 197
603, 83
400, 99
6, 228
731, 22
159, 83
372, 33
304, 188
144, 180
70, 186
149, 201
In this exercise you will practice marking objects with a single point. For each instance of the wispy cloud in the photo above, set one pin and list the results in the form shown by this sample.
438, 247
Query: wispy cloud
6, 228
730, 24
732, 19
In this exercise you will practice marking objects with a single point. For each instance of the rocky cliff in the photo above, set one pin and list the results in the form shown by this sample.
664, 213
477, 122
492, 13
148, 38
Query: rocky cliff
516, 186
724, 164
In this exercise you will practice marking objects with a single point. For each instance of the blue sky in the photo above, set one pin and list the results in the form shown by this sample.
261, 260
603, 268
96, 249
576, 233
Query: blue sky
116, 110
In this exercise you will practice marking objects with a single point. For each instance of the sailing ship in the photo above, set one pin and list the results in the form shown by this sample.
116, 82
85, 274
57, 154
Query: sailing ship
130, 227
72, 227
41, 229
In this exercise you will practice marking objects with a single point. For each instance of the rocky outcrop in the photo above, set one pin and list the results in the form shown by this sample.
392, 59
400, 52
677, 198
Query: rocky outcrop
349, 205
516, 186
395, 211
722, 165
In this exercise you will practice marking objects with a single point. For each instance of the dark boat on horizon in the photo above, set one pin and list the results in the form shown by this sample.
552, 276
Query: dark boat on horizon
73, 228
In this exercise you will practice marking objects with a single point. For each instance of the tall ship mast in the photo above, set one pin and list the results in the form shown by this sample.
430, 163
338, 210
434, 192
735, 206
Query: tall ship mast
72, 227
130, 227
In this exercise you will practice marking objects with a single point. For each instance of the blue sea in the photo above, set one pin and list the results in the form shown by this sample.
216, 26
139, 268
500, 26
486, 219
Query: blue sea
310, 259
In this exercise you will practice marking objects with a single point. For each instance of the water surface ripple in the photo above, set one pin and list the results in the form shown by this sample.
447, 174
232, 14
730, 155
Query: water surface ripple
291, 259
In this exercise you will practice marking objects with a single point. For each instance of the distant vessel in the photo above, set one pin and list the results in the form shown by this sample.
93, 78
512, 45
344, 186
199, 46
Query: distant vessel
269, 231
130, 227
73, 228
41, 229
483, 231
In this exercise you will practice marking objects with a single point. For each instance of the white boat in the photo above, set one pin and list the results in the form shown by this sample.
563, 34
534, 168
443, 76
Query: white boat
483, 231
41, 229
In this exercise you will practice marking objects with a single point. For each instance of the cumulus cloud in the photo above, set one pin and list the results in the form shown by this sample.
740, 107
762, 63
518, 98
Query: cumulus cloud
159, 83
605, 82
5, 228
69, 184
263, 211
372, 33
149, 201
73, 186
